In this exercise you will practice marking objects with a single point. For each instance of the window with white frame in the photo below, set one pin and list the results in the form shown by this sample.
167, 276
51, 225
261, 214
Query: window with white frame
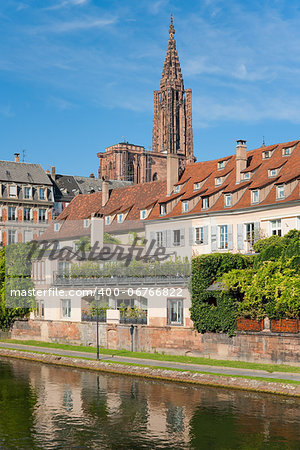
266, 154
38, 270
255, 196
159, 238
40, 309
66, 308
120, 218
280, 191
223, 236
196, 186
185, 206
26, 214
218, 181
107, 220
199, 235
86, 223
286, 151
276, 227
177, 189
12, 213
162, 209
42, 215
56, 227
143, 214
246, 176
12, 190
227, 199
27, 192
11, 237
42, 194
174, 311
221, 164
205, 203
249, 229
176, 237
63, 269
272, 173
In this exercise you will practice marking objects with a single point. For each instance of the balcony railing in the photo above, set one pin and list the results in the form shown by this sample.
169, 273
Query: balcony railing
144, 275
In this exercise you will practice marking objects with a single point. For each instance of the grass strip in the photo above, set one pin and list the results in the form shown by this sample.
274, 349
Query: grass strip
162, 357
247, 377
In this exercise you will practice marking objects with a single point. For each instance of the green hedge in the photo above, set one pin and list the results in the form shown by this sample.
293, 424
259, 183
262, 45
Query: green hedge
215, 311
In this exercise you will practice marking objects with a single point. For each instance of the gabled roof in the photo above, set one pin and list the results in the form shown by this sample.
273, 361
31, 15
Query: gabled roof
258, 166
20, 172
129, 199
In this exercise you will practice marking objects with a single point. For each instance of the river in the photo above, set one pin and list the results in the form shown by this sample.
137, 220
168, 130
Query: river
44, 406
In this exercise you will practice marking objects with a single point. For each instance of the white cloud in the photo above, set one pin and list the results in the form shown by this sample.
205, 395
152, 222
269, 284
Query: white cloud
66, 4
76, 25
61, 103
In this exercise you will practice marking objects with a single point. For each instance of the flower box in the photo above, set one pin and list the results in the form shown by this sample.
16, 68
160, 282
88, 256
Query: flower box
249, 324
285, 326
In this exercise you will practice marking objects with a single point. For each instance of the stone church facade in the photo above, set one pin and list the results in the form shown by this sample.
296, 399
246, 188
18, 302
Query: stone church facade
172, 130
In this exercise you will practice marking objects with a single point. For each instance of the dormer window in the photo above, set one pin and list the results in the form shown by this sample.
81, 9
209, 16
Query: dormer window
205, 203
227, 199
162, 209
177, 189
120, 218
246, 176
218, 181
42, 193
12, 191
143, 214
272, 173
255, 196
266, 154
86, 223
286, 151
280, 191
27, 192
56, 227
185, 206
221, 164
196, 186
107, 220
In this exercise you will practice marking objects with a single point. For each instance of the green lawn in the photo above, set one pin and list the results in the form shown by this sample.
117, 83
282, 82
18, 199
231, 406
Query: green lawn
162, 357
272, 380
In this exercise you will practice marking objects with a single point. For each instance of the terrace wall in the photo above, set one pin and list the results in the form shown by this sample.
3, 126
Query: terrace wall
246, 346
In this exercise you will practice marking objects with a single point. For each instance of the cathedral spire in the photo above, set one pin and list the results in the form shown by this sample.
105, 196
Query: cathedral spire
172, 114
171, 74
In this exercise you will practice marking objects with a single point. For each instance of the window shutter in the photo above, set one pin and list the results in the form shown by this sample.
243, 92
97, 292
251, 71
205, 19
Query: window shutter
213, 238
230, 237
152, 237
256, 231
205, 235
240, 237
168, 233
164, 238
181, 237
191, 236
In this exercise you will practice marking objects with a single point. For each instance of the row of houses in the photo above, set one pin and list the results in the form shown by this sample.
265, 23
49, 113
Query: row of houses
223, 205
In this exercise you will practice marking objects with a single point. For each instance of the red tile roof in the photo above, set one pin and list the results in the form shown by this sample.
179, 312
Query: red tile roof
289, 170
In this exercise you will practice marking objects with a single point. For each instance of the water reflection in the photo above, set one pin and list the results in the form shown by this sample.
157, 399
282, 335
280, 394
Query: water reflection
52, 407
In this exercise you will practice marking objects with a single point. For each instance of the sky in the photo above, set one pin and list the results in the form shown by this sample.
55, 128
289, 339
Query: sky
77, 76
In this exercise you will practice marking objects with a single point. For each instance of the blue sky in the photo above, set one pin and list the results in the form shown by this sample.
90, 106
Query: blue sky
78, 75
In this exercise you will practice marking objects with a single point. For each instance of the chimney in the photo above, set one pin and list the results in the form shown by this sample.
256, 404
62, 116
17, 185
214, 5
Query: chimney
105, 190
53, 172
17, 157
97, 228
241, 159
172, 171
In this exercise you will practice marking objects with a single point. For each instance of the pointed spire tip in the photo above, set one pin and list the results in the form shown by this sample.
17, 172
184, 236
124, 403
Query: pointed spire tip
171, 29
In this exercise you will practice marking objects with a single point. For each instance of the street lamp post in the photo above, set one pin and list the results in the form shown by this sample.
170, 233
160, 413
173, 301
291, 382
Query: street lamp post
97, 296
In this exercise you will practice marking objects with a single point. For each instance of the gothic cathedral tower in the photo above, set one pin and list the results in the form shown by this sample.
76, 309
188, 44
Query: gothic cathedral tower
172, 112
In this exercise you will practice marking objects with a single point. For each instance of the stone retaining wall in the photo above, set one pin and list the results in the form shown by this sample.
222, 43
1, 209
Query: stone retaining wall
256, 347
